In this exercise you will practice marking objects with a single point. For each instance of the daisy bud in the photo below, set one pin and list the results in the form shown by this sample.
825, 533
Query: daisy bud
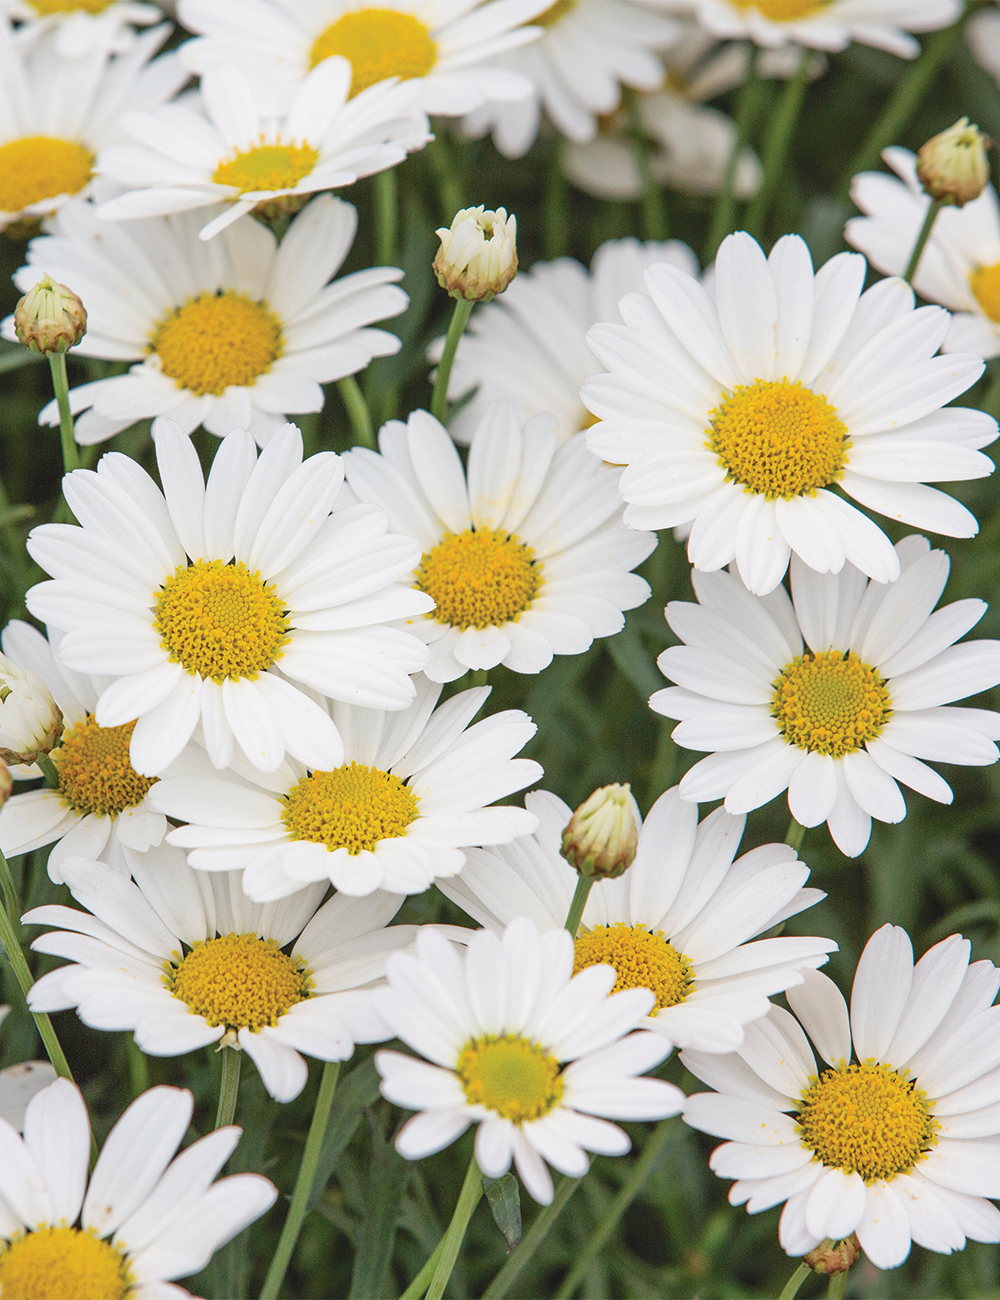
50, 317
6, 788
834, 1256
30, 720
478, 254
952, 166
601, 838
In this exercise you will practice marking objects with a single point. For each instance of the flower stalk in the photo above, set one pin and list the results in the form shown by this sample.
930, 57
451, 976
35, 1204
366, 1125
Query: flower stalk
229, 1088
459, 320
451, 1244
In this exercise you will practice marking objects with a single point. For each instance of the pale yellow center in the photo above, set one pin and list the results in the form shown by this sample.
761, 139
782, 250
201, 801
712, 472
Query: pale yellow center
238, 980
830, 702
39, 167
378, 43
479, 578
640, 958
216, 341
515, 1078
62, 1264
95, 774
353, 807
866, 1119
783, 11
275, 166
985, 286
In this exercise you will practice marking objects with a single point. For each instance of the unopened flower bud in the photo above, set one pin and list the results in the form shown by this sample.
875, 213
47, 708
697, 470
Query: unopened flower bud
50, 317
30, 720
602, 835
834, 1256
952, 166
478, 254
6, 788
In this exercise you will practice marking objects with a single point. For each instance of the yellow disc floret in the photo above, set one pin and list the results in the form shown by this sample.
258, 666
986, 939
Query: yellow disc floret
46, 7
62, 1264
220, 620
95, 774
238, 980
216, 341
353, 808
479, 578
830, 702
640, 958
275, 166
510, 1075
378, 43
778, 438
985, 285
867, 1119
783, 11
39, 167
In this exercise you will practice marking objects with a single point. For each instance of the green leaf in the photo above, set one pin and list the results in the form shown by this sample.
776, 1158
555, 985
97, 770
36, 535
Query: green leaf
388, 1175
504, 1197
353, 1097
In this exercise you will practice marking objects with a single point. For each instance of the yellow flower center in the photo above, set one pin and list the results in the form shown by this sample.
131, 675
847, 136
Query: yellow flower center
220, 620
238, 980
62, 1263
783, 11
353, 808
778, 439
830, 702
267, 167
41, 167
95, 775
641, 959
554, 14
866, 1119
378, 43
985, 286
217, 340
479, 578
517, 1079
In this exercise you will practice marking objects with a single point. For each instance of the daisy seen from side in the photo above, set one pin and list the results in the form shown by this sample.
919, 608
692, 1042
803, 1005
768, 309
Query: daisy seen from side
525, 556
414, 789
185, 960
893, 1135
835, 695
239, 334
537, 1058
739, 413
144, 1216
228, 603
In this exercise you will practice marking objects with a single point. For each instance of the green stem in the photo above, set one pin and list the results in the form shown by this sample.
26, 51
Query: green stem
459, 320
451, 1244
838, 1281
925, 234
422, 1281
48, 769
652, 207
584, 885
747, 106
357, 412
386, 217
794, 1282
229, 1088
796, 834
71, 456
555, 211
520, 1258
138, 1068
304, 1182
779, 137
640, 1171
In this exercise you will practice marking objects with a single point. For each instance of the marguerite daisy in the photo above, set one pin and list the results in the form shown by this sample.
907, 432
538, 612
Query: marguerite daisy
185, 960
226, 603
894, 1137
738, 413
239, 153
145, 1215
78, 26
412, 792
238, 335
525, 557
497, 1025
835, 695
681, 921
529, 346
100, 805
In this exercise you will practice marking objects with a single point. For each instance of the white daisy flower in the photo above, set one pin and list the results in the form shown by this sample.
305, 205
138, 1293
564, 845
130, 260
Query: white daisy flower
145, 1215
530, 346
823, 24
682, 921
48, 142
239, 153
835, 695
227, 603
101, 804
737, 413
525, 556
237, 335
960, 265
78, 26
412, 792
982, 32
497, 1024
898, 1141
445, 50
184, 960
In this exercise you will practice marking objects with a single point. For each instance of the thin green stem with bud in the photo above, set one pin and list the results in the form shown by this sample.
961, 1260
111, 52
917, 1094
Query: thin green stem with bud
357, 412
791, 1288
60, 385
922, 238
584, 885
837, 1285
459, 320
48, 770
451, 1244
796, 834
229, 1088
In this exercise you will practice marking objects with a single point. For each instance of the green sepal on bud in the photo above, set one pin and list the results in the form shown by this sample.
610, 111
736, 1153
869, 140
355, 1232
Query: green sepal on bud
478, 254
50, 317
603, 834
953, 167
